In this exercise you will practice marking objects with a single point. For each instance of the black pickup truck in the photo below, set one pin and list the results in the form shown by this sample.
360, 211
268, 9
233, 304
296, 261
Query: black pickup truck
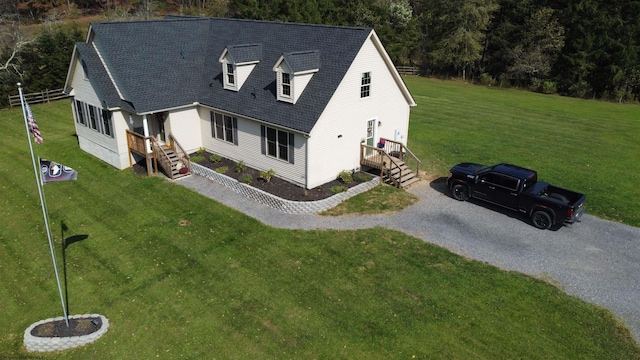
518, 189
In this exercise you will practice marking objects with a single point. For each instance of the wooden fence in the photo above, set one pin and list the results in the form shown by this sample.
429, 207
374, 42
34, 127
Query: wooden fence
38, 97
408, 70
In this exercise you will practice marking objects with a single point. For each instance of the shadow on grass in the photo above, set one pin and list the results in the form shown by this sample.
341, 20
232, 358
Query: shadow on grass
440, 185
65, 243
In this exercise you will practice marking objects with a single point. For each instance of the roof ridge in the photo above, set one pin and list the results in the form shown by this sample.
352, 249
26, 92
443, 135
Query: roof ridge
177, 18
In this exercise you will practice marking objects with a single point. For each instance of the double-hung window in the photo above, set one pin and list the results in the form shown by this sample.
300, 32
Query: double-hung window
231, 77
80, 118
365, 85
277, 143
107, 123
93, 122
286, 84
95, 118
224, 127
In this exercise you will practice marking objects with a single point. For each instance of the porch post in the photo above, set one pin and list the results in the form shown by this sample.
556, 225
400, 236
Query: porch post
145, 127
147, 143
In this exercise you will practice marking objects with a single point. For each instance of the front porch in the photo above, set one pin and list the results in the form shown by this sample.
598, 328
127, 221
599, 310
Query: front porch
170, 157
397, 165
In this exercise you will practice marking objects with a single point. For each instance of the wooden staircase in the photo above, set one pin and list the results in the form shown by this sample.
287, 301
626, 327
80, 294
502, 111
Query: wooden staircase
394, 161
174, 162
171, 158
398, 174
160, 156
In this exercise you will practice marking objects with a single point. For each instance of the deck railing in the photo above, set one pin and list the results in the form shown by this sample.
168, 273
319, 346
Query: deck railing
378, 158
140, 144
397, 150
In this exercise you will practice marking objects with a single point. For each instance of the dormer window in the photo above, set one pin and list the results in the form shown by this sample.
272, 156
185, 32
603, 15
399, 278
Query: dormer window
231, 77
286, 84
238, 61
293, 72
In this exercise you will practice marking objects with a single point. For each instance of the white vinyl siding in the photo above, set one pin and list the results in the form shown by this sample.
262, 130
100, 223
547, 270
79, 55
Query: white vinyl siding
250, 149
185, 125
334, 144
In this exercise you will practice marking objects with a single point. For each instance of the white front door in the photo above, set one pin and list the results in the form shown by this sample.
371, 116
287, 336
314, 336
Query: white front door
371, 132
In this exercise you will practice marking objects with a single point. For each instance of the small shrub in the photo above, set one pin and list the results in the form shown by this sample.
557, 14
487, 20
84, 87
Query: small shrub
338, 189
361, 177
197, 159
487, 80
536, 84
246, 178
346, 176
222, 169
503, 81
241, 167
549, 87
266, 175
582, 89
201, 151
215, 158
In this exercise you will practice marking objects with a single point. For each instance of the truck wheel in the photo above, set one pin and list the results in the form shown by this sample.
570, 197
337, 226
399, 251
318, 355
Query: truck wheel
460, 192
541, 220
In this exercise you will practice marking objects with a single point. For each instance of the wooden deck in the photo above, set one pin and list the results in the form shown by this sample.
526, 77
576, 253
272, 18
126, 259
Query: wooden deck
170, 157
395, 162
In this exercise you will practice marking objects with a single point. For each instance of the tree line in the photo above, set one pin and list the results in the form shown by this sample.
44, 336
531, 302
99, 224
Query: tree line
580, 48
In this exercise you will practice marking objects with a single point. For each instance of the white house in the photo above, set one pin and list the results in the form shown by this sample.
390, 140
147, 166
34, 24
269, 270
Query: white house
296, 98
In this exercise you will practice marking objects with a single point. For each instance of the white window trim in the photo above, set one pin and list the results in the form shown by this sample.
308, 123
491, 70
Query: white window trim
225, 74
88, 111
367, 85
290, 154
224, 136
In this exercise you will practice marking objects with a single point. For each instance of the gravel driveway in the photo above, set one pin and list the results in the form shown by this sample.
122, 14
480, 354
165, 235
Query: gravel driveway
595, 260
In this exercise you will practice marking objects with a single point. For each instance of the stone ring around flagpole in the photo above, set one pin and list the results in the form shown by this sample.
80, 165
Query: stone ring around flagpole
36, 342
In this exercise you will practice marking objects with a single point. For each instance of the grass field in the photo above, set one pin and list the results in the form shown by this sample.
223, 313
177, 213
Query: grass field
584, 145
181, 276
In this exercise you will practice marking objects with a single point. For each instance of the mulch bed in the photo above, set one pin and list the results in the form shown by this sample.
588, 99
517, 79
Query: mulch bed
59, 328
276, 186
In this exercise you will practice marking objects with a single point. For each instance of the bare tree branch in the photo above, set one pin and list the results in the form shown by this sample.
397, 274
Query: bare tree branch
13, 41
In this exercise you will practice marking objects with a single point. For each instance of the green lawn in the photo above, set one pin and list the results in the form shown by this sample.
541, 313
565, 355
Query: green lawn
181, 276
588, 146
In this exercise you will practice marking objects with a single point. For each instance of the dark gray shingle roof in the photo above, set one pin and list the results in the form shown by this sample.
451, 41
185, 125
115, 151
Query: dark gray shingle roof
96, 73
174, 62
303, 60
245, 53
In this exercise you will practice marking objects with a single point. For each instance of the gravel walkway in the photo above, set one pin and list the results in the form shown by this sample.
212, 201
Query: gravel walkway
595, 260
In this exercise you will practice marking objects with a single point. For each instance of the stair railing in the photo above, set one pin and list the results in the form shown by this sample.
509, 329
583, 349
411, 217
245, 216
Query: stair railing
179, 150
378, 158
163, 158
400, 151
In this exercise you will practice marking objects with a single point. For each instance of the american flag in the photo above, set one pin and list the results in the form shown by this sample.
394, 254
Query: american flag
33, 126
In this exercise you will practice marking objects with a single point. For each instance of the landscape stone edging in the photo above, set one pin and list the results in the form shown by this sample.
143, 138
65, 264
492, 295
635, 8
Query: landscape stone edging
42, 344
278, 203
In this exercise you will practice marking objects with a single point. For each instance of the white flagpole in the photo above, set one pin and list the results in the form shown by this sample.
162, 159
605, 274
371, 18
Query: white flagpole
36, 170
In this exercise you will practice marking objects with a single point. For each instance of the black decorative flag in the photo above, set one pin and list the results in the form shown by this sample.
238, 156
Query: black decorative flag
52, 171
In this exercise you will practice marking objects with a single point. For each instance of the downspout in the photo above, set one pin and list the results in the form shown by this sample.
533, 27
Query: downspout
306, 163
